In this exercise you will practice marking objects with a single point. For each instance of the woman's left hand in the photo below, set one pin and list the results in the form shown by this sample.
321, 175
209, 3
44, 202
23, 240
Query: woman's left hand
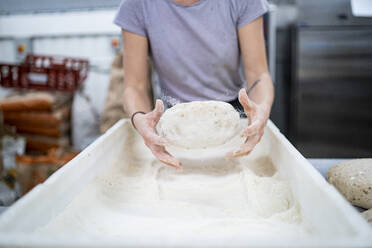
257, 117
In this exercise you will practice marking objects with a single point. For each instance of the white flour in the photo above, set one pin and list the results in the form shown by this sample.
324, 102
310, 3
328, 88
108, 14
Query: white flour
140, 197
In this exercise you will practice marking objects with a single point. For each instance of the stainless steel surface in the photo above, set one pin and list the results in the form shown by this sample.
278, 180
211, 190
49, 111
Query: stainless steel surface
2, 209
280, 110
285, 17
331, 91
328, 13
270, 27
324, 164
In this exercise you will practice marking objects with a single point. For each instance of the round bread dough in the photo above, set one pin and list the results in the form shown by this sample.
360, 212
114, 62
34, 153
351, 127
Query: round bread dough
353, 179
199, 124
368, 216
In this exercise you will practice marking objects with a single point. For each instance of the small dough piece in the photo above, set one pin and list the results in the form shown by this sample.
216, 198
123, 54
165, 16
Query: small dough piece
353, 179
368, 216
199, 124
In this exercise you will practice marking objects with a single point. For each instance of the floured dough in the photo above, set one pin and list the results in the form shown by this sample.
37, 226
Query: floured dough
353, 179
368, 216
199, 124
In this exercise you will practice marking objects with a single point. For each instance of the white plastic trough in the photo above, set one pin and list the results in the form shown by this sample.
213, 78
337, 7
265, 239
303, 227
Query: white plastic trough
333, 220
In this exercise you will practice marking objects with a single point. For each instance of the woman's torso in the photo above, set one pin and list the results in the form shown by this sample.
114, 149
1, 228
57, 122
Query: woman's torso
194, 49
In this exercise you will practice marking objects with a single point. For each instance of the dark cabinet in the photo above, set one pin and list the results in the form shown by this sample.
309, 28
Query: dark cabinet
331, 91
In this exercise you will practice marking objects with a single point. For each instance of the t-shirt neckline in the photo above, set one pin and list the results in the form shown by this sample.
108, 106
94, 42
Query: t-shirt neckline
187, 6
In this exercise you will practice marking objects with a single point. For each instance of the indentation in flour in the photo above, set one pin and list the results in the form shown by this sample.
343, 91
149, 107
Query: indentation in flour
134, 168
267, 196
262, 167
158, 167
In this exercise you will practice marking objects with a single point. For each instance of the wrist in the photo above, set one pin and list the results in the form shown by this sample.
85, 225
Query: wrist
135, 116
266, 108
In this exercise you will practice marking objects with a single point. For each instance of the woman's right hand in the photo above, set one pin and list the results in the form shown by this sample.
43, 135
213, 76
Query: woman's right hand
145, 125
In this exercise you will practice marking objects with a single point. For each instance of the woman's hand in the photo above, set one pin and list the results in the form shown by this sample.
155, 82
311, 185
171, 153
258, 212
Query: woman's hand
145, 124
257, 116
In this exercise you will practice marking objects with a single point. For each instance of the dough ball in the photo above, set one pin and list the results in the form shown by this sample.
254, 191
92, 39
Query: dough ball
368, 216
199, 124
353, 179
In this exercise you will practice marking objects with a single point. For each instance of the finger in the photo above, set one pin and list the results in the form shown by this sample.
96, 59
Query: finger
237, 154
233, 154
252, 129
171, 162
245, 101
240, 152
165, 157
158, 110
153, 138
246, 148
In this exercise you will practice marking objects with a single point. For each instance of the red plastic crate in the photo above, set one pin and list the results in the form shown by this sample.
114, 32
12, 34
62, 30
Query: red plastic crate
45, 73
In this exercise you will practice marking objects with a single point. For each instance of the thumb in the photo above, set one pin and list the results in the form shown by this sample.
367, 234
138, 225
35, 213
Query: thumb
159, 109
245, 101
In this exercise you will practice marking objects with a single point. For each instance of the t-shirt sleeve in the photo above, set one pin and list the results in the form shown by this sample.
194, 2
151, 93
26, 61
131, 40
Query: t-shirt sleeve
130, 17
249, 10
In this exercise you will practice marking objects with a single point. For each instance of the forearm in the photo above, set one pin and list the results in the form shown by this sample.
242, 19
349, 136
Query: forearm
137, 99
263, 93
137, 88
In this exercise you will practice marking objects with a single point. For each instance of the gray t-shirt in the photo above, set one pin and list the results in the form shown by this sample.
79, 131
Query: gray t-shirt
194, 48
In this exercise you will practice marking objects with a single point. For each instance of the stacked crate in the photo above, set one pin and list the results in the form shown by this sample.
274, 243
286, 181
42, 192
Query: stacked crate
39, 111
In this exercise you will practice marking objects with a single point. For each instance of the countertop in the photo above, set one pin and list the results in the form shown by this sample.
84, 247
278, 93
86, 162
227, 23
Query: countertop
324, 164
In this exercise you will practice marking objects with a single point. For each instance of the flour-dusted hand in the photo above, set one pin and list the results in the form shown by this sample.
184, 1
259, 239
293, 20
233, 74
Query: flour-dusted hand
145, 124
257, 116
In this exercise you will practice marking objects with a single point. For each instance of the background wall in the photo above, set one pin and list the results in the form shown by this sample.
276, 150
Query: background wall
84, 34
27, 6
